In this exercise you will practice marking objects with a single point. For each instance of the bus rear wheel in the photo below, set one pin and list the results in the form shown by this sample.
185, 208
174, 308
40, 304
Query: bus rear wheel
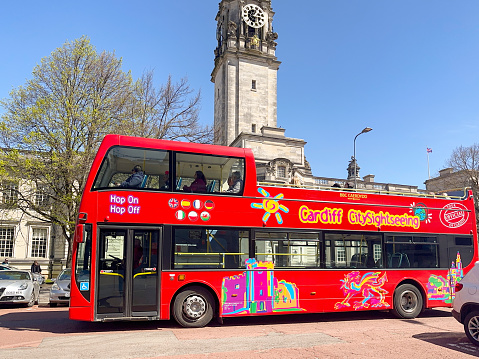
193, 307
407, 301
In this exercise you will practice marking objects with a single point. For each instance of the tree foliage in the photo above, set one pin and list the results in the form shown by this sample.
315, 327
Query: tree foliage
52, 125
465, 162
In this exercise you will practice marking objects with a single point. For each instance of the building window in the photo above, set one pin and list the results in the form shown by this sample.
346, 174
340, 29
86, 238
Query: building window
340, 256
323, 182
281, 172
253, 128
6, 241
41, 197
39, 242
253, 85
10, 193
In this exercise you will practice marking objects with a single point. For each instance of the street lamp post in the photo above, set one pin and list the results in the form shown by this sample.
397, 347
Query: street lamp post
367, 129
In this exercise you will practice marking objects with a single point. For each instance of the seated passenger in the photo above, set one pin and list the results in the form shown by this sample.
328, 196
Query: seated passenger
135, 179
198, 185
235, 183
166, 178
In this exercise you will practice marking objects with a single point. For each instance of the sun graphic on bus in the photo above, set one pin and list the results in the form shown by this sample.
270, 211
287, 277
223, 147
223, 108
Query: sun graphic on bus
271, 206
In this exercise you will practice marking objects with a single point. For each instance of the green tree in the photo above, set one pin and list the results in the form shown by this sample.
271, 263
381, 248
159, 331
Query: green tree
465, 162
53, 124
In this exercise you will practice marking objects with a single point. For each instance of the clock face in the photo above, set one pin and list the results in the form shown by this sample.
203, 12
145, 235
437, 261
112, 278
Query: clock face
253, 15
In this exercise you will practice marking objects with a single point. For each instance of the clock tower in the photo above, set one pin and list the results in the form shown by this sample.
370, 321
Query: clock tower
245, 72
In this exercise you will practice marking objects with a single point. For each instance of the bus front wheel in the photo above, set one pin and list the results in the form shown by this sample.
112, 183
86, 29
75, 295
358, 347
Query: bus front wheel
193, 307
407, 301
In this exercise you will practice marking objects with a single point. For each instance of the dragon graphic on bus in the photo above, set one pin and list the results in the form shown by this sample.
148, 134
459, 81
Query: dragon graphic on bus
368, 286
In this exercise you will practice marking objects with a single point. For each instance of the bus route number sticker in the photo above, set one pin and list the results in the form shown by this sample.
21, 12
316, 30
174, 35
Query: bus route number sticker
454, 215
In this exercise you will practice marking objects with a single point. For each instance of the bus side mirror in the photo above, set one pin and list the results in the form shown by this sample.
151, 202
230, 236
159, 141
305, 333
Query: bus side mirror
79, 233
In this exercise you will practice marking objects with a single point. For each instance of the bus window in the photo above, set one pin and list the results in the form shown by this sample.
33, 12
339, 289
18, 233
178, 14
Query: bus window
288, 250
216, 170
345, 250
210, 248
119, 162
411, 252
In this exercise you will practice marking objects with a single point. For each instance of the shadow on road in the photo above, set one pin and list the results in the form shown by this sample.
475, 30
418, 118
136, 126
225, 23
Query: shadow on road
328, 317
454, 340
55, 320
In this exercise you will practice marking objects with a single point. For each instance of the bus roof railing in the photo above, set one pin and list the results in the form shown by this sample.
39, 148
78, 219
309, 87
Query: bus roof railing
449, 194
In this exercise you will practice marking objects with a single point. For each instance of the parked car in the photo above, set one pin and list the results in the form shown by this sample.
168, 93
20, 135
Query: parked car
466, 304
18, 286
60, 291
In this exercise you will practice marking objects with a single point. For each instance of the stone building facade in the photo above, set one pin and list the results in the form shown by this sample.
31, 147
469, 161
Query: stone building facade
25, 238
448, 181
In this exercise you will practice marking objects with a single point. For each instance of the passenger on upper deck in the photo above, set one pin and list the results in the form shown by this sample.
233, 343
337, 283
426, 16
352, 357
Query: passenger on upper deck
198, 185
235, 183
166, 178
135, 179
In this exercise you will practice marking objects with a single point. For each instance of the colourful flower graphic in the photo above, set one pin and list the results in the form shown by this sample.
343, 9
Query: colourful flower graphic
271, 206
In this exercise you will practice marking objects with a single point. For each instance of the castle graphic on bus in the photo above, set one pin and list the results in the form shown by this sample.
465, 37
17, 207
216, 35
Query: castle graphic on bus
440, 288
257, 291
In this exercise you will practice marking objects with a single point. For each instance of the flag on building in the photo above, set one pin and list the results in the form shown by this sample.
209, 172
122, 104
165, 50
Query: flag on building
429, 150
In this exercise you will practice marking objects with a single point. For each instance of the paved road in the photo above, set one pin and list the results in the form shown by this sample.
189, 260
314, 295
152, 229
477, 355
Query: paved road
42, 332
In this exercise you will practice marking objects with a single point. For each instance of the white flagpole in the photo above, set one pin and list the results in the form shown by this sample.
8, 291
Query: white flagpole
428, 172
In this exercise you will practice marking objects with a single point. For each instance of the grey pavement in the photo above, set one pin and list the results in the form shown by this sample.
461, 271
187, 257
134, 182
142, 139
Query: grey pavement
43, 300
162, 343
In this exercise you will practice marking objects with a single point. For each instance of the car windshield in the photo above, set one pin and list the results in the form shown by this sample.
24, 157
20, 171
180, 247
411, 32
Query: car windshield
14, 275
65, 275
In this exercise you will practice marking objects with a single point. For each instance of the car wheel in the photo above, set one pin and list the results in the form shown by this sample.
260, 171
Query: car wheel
407, 301
32, 300
471, 327
193, 307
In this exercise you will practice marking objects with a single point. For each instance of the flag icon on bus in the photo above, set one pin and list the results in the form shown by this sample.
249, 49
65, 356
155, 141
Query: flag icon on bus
209, 205
197, 204
205, 216
193, 216
180, 215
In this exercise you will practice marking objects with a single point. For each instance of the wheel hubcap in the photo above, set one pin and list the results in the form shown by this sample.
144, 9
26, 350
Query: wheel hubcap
473, 327
194, 307
408, 301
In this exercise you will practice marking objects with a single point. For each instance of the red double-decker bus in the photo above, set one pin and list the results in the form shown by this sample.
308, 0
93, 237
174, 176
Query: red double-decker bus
171, 229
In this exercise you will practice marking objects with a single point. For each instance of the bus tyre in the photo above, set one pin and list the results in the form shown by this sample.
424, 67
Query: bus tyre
193, 307
471, 327
407, 301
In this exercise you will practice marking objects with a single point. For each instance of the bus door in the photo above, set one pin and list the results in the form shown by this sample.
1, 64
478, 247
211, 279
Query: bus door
127, 273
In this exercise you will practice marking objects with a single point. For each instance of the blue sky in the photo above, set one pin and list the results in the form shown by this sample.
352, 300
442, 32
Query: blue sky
406, 68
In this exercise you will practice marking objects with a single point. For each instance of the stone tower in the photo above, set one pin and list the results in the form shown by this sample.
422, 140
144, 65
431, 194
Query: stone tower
245, 72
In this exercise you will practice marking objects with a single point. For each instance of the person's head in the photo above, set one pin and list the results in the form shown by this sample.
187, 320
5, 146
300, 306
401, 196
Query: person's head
167, 174
137, 242
236, 175
6, 260
35, 262
230, 180
200, 175
136, 169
